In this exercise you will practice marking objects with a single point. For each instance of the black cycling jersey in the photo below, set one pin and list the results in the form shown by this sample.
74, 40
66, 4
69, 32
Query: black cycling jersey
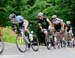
68, 27
21, 25
57, 26
44, 23
18, 26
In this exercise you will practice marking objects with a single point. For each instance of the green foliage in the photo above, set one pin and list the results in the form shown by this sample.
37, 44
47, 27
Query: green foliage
11, 38
65, 9
30, 8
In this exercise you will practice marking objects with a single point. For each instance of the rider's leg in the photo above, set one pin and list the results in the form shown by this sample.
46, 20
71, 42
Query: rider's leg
70, 36
62, 37
66, 38
26, 30
52, 31
53, 38
25, 24
46, 35
57, 37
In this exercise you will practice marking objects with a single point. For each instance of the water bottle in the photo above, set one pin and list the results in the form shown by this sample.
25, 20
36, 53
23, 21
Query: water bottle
31, 36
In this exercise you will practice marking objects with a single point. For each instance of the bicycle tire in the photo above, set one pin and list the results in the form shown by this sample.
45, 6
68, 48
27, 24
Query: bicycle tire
48, 44
25, 45
35, 43
1, 46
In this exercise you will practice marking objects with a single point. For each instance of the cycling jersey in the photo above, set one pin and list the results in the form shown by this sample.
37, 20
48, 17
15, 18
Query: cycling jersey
20, 21
57, 24
44, 23
68, 27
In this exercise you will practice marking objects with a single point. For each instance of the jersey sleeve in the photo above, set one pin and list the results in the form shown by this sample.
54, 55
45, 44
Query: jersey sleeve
48, 19
39, 23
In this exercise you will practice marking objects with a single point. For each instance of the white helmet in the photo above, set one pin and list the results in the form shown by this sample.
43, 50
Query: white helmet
40, 14
54, 16
68, 22
61, 20
12, 16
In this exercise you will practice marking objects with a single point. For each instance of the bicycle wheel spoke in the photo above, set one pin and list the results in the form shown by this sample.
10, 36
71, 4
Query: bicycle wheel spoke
21, 44
35, 44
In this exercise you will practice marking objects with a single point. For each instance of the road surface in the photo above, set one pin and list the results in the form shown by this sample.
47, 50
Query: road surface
11, 51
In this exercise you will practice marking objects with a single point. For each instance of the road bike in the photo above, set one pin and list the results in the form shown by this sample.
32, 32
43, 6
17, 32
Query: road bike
25, 42
49, 40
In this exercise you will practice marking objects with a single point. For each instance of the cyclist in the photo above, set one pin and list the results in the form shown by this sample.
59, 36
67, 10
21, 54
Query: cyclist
68, 32
58, 25
19, 23
44, 25
23, 23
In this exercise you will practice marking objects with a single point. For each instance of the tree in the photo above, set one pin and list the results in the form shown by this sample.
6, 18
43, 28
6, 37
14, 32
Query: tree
29, 8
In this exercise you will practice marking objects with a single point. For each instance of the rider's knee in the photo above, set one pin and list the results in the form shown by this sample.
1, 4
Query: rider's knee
45, 32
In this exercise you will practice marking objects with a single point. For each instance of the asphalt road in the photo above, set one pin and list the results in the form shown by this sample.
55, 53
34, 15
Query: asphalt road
11, 51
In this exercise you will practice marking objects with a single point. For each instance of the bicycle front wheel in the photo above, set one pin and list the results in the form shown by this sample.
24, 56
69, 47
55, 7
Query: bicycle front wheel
1, 45
21, 44
48, 41
35, 43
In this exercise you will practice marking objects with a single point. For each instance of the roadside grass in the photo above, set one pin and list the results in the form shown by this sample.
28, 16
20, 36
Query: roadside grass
8, 35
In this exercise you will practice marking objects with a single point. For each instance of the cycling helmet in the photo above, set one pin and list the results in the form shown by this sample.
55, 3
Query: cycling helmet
61, 20
19, 18
68, 22
54, 16
12, 16
40, 14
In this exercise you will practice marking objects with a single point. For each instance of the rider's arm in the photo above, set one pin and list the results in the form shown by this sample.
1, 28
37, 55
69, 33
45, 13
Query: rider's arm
65, 28
40, 26
50, 24
62, 24
26, 22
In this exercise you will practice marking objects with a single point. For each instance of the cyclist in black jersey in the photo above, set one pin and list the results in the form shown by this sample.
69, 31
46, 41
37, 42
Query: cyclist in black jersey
68, 28
44, 24
68, 32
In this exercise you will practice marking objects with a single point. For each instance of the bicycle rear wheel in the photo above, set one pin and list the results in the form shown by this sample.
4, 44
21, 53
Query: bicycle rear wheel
21, 44
48, 42
35, 43
1, 45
